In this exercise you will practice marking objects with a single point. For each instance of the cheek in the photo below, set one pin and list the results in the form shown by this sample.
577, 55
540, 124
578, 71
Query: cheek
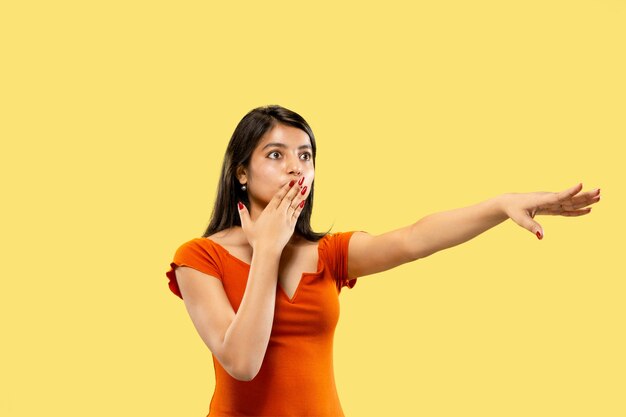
268, 178
267, 171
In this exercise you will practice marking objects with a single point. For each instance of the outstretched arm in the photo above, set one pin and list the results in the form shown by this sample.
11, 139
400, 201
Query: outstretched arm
371, 254
449, 228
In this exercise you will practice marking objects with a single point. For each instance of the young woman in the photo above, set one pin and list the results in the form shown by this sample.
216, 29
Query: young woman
262, 288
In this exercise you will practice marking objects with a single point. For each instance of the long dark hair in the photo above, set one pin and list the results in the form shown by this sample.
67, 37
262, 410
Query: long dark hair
245, 138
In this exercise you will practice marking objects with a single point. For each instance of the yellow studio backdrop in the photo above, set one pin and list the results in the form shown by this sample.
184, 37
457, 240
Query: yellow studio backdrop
114, 120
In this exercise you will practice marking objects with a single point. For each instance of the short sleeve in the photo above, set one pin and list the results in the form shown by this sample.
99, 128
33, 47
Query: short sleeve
197, 256
336, 253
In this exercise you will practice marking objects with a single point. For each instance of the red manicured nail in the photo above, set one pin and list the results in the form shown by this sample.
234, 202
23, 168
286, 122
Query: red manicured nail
301, 181
302, 204
240, 205
538, 235
303, 190
292, 182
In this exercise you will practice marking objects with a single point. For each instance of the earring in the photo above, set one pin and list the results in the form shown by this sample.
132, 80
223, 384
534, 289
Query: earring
243, 187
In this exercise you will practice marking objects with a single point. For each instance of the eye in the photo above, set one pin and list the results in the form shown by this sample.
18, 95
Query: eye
308, 155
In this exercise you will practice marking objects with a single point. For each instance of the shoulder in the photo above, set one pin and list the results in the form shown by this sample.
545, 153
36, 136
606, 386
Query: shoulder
212, 248
197, 248
337, 241
233, 236
334, 248
196, 253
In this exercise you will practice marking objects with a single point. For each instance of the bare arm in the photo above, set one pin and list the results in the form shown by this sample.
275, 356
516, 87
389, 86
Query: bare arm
371, 254
237, 340
446, 229
248, 335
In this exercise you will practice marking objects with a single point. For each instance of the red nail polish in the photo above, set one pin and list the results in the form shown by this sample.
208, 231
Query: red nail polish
292, 182
302, 204
538, 235
301, 181
240, 205
303, 190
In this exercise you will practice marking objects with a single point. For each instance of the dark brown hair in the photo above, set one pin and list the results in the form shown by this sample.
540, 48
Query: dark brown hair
244, 140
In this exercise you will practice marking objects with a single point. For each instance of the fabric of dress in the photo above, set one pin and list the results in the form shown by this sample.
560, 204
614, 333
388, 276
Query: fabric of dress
297, 375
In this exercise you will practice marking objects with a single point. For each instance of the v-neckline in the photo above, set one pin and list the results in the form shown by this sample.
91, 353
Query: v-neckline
282, 290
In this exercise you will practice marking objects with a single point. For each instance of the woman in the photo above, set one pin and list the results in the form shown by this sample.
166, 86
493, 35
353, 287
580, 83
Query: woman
262, 288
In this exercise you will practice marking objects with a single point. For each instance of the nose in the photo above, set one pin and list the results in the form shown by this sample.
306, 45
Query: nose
295, 167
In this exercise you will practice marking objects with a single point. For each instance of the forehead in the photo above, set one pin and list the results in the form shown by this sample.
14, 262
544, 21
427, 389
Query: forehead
288, 135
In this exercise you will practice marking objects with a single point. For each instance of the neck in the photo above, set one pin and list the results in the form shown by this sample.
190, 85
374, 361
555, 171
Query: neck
256, 211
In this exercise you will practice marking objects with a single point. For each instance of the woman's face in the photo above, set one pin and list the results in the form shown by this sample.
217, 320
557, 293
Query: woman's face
284, 153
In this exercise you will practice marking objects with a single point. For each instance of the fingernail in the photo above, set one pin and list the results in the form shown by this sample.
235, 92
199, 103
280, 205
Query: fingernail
240, 205
301, 181
302, 204
292, 182
303, 190
539, 236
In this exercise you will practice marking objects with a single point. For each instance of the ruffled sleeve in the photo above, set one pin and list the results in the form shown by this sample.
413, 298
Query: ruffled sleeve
193, 254
336, 258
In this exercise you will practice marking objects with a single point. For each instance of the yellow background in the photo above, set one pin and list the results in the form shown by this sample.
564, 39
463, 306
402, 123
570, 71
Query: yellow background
114, 120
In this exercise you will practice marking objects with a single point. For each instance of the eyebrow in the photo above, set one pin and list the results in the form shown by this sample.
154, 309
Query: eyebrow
282, 145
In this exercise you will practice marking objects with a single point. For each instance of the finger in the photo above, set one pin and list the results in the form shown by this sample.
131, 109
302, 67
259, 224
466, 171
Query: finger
244, 215
527, 222
561, 212
586, 196
570, 192
291, 195
590, 194
302, 196
299, 208
278, 197
560, 199
584, 201
536, 229
576, 213
576, 203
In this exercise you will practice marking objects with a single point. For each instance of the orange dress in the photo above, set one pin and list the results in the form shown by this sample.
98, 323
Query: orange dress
297, 375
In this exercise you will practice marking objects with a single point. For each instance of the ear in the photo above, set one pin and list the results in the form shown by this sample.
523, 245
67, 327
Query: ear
242, 175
